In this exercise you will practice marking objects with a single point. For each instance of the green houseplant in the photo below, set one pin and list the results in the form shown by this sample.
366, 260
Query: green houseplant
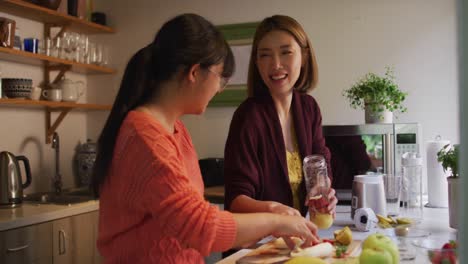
448, 157
378, 95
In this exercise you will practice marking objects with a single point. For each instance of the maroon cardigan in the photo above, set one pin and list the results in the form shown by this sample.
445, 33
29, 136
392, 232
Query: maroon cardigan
255, 155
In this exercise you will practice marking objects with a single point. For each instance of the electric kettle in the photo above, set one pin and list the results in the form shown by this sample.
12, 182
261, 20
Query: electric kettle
11, 185
368, 192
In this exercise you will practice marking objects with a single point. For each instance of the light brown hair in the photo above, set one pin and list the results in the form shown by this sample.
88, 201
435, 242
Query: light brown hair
308, 77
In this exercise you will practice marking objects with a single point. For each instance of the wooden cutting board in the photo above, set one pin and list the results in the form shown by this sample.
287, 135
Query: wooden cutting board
268, 254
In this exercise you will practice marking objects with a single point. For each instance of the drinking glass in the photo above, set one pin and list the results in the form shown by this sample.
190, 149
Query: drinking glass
392, 184
31, 45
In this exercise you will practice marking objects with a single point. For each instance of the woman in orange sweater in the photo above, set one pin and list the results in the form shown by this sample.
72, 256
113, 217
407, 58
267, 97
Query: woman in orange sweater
152, 208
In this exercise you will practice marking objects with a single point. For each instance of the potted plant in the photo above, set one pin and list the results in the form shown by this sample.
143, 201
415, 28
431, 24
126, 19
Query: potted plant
379, 96
448, 156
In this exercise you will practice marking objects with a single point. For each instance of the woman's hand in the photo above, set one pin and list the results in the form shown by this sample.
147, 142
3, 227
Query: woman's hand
281, 209
331, 198
297, 226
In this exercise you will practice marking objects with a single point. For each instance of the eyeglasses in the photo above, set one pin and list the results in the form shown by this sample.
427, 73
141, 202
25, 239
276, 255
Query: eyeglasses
223, 81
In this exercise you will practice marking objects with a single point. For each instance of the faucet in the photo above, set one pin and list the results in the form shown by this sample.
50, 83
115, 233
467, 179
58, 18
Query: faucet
57, 177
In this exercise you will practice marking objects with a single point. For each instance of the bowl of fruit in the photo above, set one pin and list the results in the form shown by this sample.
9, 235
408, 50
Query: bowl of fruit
438, 251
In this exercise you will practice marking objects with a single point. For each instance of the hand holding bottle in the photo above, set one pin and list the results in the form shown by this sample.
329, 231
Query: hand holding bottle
320, 197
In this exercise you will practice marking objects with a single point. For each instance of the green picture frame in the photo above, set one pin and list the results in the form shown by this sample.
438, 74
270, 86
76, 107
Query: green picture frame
235, 34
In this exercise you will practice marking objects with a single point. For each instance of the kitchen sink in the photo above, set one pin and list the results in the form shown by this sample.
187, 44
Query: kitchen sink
63, 198
80, 192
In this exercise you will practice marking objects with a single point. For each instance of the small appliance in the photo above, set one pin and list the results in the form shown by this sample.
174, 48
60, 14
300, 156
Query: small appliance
368, 192
368, 148
11, 185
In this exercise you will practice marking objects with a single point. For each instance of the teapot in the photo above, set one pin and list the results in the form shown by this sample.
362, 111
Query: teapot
71, 91
11, 184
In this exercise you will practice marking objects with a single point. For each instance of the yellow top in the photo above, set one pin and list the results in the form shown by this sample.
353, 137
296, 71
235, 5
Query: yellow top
294, 162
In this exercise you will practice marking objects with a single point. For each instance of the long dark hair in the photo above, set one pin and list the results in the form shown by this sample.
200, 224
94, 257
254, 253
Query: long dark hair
309, 73
182, 42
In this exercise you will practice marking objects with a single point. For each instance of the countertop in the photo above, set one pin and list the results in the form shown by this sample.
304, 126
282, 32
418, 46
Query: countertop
435, 222
32, 213
215, 194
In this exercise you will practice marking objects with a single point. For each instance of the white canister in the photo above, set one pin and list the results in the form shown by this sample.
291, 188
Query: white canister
437, 186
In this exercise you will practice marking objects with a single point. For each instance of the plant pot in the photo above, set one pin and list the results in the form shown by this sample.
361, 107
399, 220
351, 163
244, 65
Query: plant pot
381, 117
453, 184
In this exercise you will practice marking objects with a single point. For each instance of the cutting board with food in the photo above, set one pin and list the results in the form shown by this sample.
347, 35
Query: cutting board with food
376, 248
269, 253
276, 251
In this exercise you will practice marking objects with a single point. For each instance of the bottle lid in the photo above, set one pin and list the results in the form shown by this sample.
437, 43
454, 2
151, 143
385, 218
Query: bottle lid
88, 147
411, 159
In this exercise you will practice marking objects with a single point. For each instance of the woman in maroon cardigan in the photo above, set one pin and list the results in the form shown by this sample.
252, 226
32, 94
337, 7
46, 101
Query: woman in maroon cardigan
278, 117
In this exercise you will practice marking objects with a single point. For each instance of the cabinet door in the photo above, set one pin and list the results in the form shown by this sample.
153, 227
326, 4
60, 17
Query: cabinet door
74, 239
97, 257
31, 244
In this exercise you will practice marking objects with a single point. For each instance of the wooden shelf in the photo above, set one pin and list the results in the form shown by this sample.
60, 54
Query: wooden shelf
52, 106
31, 11
51, 18
62, 107
25, 57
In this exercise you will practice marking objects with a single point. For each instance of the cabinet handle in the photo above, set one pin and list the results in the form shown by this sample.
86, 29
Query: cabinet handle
17, 248
62, 243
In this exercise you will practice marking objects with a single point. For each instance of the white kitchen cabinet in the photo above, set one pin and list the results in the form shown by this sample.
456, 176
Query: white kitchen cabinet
67, 240
31, 244
97, 257
74, 239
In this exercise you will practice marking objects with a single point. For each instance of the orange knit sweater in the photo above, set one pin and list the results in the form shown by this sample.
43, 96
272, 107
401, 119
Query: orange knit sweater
152, 208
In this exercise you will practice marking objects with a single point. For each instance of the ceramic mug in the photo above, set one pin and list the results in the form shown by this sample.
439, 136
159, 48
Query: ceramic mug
53, 95
35, 93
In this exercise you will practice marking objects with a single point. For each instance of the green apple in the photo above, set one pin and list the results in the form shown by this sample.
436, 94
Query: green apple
375, 256
381, 241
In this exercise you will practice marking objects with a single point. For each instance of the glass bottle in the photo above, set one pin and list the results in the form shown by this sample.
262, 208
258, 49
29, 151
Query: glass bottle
317, 187
411, 195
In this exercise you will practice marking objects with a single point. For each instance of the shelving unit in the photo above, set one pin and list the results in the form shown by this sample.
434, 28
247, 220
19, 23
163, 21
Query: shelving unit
57, 106
48, 16
49, 106
52, 19
25, 57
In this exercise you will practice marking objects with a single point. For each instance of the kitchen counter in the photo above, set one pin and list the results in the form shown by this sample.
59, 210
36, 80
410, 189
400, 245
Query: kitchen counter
33, 213
30, 213
435, 221
215, 194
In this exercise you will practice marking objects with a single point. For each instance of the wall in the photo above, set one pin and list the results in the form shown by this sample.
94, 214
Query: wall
22, 130
350, 38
